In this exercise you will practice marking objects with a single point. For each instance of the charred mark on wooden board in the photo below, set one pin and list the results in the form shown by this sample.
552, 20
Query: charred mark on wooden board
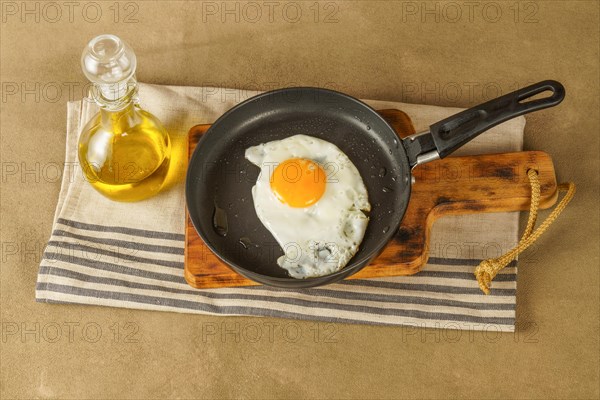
405, 233
505, 173
474, 206
489, 191
548, 188
443, 199
409, 254
403, 255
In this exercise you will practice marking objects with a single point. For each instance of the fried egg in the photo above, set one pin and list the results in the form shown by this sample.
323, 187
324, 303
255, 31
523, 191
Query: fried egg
312, 199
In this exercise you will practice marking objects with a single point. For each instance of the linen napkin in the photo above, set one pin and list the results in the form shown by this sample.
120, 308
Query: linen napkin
131, 254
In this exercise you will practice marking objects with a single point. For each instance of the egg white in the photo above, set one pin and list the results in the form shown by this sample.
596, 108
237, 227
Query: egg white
320, 239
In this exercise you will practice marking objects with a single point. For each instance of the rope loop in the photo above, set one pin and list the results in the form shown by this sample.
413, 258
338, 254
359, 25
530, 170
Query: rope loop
487, 270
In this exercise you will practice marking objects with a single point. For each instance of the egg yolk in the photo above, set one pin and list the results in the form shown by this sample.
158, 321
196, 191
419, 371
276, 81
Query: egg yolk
298, 182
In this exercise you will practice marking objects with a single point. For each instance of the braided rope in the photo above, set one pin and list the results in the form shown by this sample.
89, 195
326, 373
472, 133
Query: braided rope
488, 269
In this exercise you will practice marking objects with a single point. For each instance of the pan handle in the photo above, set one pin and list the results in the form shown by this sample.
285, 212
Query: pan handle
453, 132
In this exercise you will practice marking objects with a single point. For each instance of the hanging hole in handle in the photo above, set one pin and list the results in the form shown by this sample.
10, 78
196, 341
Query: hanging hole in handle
543, 95
536, 97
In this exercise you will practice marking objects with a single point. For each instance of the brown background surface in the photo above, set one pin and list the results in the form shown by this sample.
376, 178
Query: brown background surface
405, 51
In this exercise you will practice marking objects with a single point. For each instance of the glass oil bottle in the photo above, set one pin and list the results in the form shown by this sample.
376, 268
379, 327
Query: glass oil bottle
124, 151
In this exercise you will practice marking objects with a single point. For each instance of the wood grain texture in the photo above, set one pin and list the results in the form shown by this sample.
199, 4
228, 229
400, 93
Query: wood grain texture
452, 186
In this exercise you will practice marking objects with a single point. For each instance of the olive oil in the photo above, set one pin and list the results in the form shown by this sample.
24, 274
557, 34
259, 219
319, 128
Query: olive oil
124, 151
125, 154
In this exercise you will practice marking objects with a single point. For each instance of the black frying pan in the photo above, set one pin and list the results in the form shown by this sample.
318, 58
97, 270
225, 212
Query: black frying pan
220, 179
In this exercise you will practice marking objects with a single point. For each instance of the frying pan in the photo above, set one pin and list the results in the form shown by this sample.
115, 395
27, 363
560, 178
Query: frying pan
219, 178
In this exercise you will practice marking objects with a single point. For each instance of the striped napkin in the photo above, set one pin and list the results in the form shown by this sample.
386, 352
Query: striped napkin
131, 254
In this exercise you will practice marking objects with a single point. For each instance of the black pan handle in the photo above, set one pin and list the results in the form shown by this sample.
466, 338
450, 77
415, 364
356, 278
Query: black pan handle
453, 132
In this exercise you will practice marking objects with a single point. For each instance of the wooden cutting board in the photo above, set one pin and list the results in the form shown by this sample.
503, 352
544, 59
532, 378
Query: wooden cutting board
452, 186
